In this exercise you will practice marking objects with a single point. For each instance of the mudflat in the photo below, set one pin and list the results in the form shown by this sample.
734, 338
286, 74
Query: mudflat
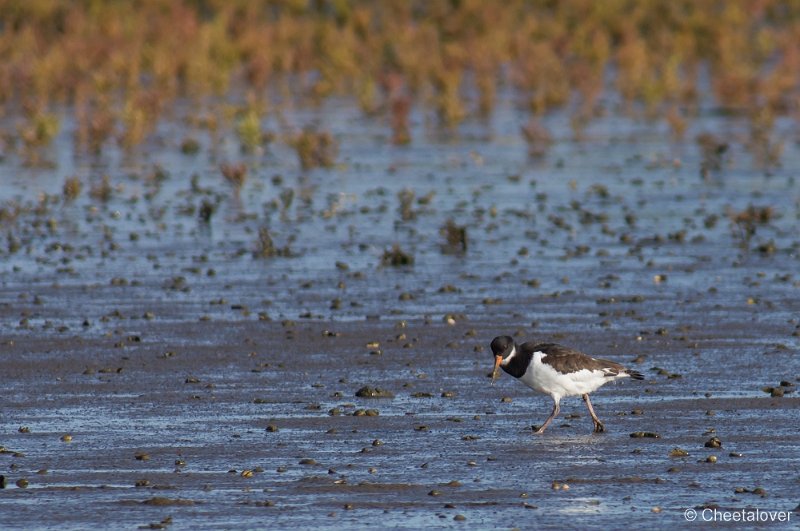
254, 424
311, 348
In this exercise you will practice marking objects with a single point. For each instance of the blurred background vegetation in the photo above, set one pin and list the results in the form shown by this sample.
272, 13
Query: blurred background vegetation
119, 66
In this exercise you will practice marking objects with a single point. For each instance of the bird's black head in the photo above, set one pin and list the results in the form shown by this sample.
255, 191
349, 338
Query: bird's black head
502, 346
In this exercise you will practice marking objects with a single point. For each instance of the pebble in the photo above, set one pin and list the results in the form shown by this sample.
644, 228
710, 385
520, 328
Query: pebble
373, 392
645, 435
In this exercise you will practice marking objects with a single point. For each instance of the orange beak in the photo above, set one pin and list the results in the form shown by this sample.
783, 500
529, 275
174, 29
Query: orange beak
497, 361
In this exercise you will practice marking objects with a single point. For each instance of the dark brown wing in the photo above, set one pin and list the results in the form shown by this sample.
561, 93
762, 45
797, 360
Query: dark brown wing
565, 360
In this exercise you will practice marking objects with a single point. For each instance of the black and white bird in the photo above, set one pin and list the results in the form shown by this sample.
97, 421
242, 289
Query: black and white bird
557, 371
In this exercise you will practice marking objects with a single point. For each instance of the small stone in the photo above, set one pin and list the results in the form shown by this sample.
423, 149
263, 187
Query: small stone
373, 392
645, 434
678, 452
713, 442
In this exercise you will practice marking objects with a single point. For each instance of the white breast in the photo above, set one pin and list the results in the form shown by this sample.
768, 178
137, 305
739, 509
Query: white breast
545, 379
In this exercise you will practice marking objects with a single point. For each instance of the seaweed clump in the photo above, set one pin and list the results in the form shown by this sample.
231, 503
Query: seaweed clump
396, 257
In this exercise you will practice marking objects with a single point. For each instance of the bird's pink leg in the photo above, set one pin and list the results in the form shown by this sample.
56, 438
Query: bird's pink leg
598, 426
556, 409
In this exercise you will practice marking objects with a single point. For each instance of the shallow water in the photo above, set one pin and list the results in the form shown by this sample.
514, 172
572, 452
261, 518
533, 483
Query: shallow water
103, 341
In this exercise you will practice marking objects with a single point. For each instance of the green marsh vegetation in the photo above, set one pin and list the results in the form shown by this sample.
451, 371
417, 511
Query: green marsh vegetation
119, 67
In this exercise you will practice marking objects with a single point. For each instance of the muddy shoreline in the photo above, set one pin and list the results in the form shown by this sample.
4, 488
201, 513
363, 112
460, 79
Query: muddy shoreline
256, 423
207, 380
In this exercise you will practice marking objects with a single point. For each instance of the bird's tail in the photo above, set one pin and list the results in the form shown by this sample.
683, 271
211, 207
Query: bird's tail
634, 374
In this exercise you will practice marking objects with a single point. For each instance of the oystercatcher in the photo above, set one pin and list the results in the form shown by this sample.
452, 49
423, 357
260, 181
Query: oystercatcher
557, 371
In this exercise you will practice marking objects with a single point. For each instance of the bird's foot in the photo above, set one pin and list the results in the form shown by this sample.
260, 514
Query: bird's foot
599, 428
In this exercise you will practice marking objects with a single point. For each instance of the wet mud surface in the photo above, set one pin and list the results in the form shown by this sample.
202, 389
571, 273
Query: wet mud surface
161, 370
168, 426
